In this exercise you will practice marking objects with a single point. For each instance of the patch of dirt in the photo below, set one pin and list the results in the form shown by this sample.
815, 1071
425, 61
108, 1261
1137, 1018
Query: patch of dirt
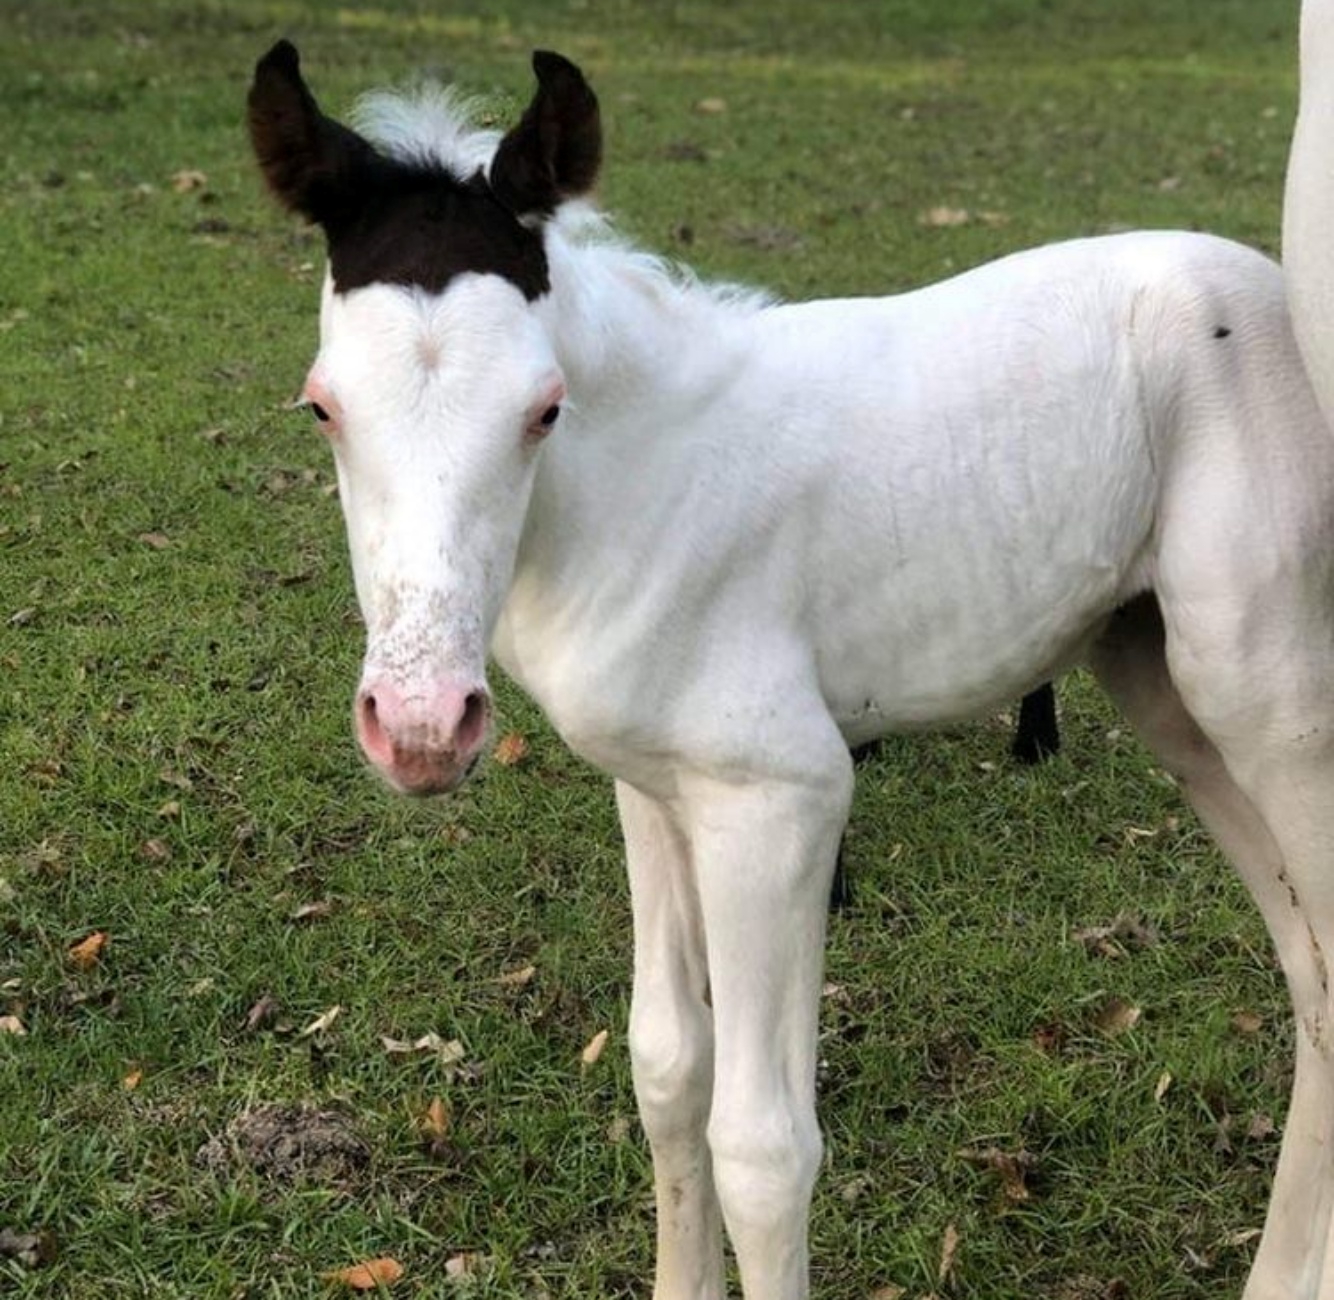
290, 1144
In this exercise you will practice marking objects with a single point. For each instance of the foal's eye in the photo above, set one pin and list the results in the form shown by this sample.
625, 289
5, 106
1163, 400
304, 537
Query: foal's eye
319, 413
549, 416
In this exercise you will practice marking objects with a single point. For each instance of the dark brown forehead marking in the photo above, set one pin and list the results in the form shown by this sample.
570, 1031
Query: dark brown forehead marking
420, 226
394, 220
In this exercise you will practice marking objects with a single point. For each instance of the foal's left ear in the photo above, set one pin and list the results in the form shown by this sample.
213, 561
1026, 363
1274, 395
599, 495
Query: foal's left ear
554, 152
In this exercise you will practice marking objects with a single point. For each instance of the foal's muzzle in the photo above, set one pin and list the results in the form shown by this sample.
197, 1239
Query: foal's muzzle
422, 742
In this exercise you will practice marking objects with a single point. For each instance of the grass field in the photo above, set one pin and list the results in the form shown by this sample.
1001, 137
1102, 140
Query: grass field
1014, 1107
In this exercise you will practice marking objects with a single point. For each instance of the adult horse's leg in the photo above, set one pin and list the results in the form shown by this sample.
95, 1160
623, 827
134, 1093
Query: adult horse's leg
764, 852
671, 1048
1038, 734
1279, 833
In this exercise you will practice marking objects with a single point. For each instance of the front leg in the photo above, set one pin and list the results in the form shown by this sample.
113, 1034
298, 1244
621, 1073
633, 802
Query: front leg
764, 855
671, 1048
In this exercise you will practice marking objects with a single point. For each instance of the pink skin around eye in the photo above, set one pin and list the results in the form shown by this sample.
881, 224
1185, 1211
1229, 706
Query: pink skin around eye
544, 415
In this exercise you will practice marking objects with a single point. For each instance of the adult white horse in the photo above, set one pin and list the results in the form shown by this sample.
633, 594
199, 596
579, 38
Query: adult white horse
720, 539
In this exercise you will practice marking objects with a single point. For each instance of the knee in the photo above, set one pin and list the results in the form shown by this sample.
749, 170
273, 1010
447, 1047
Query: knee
765, 1162
671, 1059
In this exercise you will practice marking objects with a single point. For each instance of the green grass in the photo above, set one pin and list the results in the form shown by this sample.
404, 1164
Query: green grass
178, 643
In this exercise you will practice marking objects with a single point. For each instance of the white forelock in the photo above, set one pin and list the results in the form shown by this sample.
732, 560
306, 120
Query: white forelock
431, 124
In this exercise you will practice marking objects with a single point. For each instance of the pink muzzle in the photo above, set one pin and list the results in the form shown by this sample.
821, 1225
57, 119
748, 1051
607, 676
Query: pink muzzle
425, 742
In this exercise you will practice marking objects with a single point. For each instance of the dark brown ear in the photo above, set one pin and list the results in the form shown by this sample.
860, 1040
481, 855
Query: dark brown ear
554, 152
313, 164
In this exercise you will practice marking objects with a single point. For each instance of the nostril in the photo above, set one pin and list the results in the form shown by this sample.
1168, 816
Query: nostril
369, 728
472, 726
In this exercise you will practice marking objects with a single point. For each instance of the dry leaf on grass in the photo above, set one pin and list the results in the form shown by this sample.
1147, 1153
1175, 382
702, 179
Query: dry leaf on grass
369, 1275
132, 1080
447, 1052
1164, 1083
27, 1249
1247, 1023
1012, 1166
516, 979
435, 1123
12, 1025
1117, 1016
1261, 1127
85, 954
511, 749
949, 1249
263, 1013
1125, 934
468, 1263
943, 217
188, 180
890, 1292
321, 1023
158, 541
589, 1056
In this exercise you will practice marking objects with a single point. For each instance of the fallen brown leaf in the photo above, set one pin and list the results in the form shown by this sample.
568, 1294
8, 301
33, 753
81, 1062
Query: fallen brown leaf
28, 1249
516, 979
321, 1023
589, 1056
949, 1249
368, 1275
313, 911
1012, 1166
183, 182
435, 1122
1261, 1127
890, 1292
1125, 934
158, 541
1247, 1023
263, 1013
132, 1080
942, 217
1117, 1016
12, 1025
467, 1263
511, 749
85, 954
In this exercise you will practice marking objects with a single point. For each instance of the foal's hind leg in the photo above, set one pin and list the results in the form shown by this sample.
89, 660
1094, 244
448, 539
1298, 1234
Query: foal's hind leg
1278, 833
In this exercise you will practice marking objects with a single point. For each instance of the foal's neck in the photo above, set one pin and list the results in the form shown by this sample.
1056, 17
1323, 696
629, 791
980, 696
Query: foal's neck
635, 335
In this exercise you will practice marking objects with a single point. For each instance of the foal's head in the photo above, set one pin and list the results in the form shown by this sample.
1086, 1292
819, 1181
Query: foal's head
435, 383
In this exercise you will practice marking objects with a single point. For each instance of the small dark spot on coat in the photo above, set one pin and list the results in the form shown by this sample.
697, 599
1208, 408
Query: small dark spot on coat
1221, 332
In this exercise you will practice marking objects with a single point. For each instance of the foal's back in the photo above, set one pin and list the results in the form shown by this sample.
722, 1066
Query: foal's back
976, 471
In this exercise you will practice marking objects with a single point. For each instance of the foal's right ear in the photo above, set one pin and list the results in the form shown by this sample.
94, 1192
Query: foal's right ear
313, 164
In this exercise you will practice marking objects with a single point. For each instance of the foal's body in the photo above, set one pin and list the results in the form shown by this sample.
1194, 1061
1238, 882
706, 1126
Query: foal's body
999, 452
720, 540
1025, 464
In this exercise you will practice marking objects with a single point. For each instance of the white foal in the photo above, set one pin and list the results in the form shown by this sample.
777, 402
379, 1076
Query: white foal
720, 539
